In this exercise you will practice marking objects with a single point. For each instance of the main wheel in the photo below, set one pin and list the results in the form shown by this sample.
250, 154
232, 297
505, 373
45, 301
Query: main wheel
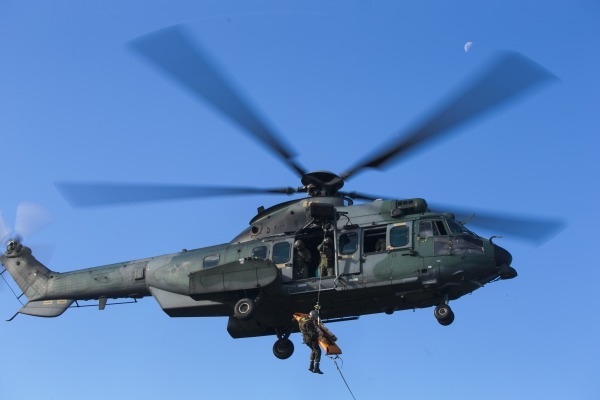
244, 309
283, 348
447, 321
443, 312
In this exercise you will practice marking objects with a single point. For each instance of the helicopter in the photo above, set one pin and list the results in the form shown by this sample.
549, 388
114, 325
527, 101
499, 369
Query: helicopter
388, 254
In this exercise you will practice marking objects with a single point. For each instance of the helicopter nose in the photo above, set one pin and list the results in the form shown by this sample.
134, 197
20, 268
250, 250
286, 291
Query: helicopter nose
503, 260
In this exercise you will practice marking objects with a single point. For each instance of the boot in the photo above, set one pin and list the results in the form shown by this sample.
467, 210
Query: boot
316, 369
312, 366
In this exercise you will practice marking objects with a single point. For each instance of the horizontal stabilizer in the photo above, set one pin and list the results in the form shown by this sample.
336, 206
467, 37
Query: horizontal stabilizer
46, 308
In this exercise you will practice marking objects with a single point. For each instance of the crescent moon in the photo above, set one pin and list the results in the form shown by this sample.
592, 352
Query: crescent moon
468, 46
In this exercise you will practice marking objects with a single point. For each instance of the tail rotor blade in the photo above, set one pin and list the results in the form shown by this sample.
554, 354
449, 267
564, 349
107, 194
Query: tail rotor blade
30, 219
4, 231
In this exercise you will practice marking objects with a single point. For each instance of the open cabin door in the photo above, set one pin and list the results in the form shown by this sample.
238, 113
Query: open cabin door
349, 252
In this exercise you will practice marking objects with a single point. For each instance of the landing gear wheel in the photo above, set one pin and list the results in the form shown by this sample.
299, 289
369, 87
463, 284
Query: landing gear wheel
244, 309
283, 348
443, 312
447, 321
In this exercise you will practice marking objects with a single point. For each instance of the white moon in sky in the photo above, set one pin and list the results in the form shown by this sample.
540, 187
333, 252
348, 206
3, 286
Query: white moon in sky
468, 46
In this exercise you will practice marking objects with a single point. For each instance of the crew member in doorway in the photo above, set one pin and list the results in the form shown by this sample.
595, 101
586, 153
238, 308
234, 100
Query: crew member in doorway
327, 259
380, 244
302, 260
310, 335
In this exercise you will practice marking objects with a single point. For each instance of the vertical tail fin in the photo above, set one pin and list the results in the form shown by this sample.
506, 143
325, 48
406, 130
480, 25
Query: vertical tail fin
29, 274
32, 277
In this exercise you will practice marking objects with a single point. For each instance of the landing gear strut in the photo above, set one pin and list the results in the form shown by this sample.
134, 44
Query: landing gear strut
283, 347
444, 314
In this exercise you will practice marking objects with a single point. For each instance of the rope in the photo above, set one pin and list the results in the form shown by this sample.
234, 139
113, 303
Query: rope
317, 306
342, 375
318, 309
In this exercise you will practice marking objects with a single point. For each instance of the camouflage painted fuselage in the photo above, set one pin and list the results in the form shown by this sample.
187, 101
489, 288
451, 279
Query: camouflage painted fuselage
428, 258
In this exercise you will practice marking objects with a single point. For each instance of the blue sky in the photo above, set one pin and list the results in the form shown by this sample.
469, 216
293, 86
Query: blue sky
336, 78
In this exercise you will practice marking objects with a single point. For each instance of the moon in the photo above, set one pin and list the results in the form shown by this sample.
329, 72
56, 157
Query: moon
468, 46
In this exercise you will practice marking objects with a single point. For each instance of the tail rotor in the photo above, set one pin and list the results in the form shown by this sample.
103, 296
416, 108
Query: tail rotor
30, 218
4, 230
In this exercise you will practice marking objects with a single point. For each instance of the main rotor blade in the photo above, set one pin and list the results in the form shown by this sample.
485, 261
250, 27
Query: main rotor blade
360, 196
511, 75
105, 194
173, 53
536, 230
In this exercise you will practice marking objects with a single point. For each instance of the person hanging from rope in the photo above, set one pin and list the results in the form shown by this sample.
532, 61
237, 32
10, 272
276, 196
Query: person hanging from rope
327, 257
310, 335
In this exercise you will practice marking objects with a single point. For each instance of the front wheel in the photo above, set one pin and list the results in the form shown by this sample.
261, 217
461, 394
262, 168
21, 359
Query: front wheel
244, 309
283, 348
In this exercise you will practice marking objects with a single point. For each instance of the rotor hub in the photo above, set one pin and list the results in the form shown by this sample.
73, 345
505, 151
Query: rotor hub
323, 183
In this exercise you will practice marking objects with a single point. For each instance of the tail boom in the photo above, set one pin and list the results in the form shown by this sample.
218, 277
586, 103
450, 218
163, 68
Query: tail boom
50, 293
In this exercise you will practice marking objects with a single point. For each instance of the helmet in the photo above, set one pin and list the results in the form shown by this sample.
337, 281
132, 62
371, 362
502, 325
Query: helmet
313, 314
299, 245
327, 240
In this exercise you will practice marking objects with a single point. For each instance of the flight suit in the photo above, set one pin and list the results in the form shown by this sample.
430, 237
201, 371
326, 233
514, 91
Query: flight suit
302, 261
310, 335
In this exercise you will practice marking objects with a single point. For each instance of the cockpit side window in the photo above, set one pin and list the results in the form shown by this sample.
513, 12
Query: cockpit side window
425, 229
430, 228
439, 228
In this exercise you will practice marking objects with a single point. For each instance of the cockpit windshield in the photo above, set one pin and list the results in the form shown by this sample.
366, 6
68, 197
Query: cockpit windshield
457, 228
450, 237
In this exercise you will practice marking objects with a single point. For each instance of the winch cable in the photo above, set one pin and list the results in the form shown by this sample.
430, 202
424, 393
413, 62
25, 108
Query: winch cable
342, 375
318, 306
318, 309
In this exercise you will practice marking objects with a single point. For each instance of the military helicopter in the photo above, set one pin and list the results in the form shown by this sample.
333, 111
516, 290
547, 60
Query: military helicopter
389, 254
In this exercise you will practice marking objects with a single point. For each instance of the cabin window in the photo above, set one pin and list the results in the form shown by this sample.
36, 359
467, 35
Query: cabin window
348, 243
400, 236
281, 252
210, 261
374, 240
260, 252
